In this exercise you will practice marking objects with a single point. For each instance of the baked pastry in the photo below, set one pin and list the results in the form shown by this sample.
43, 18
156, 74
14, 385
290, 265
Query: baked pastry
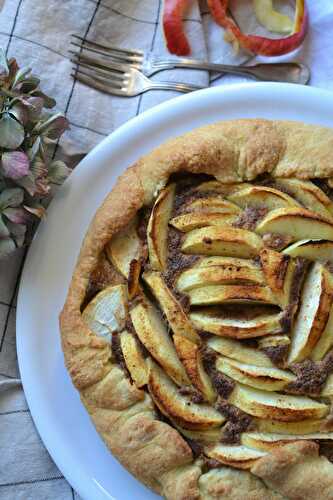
198, 326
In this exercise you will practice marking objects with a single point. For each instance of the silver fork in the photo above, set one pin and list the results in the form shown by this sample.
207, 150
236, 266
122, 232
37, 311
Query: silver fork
291, 72
122, 79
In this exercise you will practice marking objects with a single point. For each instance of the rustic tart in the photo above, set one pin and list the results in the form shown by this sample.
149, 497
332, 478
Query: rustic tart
198, 327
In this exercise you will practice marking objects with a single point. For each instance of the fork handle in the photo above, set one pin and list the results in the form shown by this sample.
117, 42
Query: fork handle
159, 65
179, 87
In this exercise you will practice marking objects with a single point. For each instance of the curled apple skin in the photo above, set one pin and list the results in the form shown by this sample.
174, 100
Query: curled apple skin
173, 26
257, 44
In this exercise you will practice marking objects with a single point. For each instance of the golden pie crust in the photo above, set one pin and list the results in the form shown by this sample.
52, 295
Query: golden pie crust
126, 414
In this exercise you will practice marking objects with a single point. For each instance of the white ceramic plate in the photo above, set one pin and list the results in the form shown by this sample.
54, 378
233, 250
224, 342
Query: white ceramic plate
62, 422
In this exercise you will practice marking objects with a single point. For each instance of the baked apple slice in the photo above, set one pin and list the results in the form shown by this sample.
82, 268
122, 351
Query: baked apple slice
259, 377
177, 407
313, 313
177, 319
222, 275
297, 223
268, 442
310, 195
195, 220
107, 311
273, 341
277, 406
325, 341
311, 249
189, 355
204, 436
232, 242
236, 350
134, 359
237, 294
302, 427
213, 204
279, 271
125, 247
157, 231
327, 391
240, 456
262, 196
154, 335
214, 321
216, 260
219, 187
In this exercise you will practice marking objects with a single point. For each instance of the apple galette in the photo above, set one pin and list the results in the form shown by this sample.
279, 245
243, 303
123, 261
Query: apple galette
198, 326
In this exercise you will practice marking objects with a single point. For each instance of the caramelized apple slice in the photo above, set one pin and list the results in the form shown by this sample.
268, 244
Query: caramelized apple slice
235, 456
124, 247
219, 187
268, 379
189, 355
216, 322
268, 442
219, 294
153, 334
226, 262
157, 232
107, 312
279, 271
311, 249
303, 427
316, 299
262, 196
325, 341
298, 223
134, 359
204, 436
328, 387
172, 309
214, 204
222, 241
311, 196
194, 220
235, 349
273, 341
133, 283
177, 407
265, 404
222, 275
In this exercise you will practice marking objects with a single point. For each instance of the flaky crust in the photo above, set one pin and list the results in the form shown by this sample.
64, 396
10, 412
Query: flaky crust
125, 416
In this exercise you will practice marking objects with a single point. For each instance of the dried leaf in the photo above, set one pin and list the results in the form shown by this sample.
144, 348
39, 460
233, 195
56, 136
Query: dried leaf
11, 132
12, 197
39, 211
54, 126
7, 246
17, 215
21, 74
15, 164
19, 112
49, 102
34, 107
58, 172
28, 183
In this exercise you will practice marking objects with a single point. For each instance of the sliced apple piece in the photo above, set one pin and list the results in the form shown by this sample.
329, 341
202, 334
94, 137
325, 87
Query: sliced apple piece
226, 261
193, 220
133, 278
298, 223
279, 271
189, 355
241, 457
222, 275
274, 341
229, 241
177, 319
213, 204
262, 196
316, 299
302, 427
219, 187
134, 359
325, 341
240, 294
204, 436
282, 407
177, 407
216, 322
125, 247
235, 349
157, 231
259, 377
311, 249
153, 334
107, 311
328, 387
310, 195
268, 442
